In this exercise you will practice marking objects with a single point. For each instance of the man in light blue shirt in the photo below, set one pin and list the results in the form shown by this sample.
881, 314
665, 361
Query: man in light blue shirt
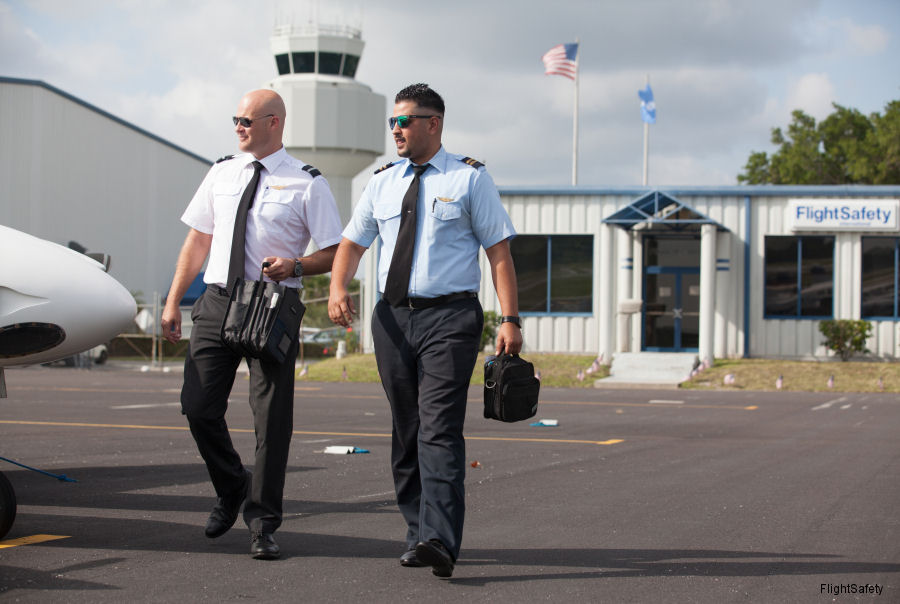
433, 211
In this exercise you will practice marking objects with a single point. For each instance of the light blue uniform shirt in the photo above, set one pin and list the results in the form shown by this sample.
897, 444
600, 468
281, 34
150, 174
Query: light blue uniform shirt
458, 211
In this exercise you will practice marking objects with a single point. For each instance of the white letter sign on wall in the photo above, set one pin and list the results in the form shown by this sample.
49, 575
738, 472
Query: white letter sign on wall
843, 214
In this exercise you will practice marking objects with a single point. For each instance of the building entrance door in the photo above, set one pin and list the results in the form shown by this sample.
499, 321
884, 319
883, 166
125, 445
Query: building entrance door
671, 316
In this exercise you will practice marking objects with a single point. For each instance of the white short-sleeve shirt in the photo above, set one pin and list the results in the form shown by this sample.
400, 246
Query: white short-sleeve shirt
291, 206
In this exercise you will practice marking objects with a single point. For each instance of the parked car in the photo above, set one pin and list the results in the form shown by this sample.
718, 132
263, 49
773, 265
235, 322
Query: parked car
97, 354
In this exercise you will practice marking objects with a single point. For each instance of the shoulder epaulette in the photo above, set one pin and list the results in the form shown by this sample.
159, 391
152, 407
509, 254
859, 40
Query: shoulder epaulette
384, 167
226, 158
312, 171
472, 162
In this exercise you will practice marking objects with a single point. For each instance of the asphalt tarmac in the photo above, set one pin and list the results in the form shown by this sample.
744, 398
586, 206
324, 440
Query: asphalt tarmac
636, 496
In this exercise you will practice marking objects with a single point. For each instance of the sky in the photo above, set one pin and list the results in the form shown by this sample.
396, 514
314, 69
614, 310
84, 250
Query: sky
723, 73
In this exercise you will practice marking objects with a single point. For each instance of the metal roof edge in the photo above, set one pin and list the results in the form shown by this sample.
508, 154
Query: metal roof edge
106, 114
710, 190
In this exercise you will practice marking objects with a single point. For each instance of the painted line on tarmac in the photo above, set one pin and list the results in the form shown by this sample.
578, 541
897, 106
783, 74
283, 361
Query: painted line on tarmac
30, 540
147, 406
652, 404
828, 404
308, 433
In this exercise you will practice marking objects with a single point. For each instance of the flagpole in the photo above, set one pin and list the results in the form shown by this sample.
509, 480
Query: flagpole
646, 142
575, 122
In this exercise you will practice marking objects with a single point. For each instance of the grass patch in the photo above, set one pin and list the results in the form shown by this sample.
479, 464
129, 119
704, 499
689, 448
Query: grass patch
799, 376
556, 370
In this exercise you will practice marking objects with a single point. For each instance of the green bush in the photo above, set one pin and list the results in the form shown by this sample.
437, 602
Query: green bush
846, 336
489, 331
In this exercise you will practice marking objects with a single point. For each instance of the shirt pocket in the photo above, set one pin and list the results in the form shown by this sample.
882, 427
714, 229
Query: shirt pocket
386, 212
226, 197
446, 210
275, 204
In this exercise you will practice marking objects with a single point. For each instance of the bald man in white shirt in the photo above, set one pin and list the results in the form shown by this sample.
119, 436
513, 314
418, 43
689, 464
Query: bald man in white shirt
292, 204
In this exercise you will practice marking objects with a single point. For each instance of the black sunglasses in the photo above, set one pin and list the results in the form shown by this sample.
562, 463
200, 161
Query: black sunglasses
246, 122
403, 120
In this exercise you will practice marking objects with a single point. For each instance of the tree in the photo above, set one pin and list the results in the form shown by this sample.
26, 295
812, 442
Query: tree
846, 147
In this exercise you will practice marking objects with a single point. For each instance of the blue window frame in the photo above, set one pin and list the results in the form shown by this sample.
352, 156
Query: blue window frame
880, 277
799, 277
555, 273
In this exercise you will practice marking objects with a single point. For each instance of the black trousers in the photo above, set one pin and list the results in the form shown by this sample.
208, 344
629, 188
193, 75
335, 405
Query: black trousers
209, 372
425, 358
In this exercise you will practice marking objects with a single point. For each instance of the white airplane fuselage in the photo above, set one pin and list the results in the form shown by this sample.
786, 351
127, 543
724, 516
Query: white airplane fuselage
55, 302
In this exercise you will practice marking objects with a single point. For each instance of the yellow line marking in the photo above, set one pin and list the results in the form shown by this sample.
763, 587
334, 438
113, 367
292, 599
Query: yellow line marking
612, 441
654, 405
30, 540
309, 433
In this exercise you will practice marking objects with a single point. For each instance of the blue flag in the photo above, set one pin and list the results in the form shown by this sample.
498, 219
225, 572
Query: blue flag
648, 107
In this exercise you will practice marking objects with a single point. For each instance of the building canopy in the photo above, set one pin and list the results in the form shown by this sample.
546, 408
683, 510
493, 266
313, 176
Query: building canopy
658, 211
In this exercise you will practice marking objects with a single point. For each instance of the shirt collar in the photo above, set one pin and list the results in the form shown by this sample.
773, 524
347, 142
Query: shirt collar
270, 162
437, 161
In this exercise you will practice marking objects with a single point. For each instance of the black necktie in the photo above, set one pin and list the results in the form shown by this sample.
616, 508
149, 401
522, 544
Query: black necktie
236, 265
397, 284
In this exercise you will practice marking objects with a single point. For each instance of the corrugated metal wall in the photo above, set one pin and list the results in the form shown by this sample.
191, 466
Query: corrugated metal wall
582, 212
69, 171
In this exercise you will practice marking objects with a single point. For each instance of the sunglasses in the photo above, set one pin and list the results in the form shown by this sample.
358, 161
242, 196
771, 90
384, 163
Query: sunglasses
403, 120
246, 122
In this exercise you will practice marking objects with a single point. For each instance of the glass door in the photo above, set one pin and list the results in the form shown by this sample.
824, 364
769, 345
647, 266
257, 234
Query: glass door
671, 316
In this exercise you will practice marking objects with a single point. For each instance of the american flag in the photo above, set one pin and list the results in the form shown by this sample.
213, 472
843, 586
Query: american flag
561, 60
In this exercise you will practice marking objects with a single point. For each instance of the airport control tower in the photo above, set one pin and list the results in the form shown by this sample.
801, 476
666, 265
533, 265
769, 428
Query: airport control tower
333, 122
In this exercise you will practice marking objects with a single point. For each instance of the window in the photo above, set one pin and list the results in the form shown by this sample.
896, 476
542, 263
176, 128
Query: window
304, 62
330, 63
284, 65
880, 256
555, 273
350, 64
799, 275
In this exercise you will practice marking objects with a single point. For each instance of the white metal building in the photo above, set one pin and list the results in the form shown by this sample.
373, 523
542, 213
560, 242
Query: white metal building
70, 171
744, 271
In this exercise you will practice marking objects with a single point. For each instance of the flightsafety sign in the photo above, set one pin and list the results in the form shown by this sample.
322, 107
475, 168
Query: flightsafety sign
844, 214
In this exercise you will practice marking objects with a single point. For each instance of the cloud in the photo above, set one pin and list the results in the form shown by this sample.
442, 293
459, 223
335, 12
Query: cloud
813, 93
866, 39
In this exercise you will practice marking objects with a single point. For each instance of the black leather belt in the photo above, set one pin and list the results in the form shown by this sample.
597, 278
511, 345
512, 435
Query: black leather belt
418, 303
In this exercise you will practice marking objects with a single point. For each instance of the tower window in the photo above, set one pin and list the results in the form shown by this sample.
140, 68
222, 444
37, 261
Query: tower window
350, 64
304, 62
283, 63
330, 62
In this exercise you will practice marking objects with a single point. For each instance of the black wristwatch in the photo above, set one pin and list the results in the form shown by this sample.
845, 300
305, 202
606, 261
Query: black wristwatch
511, 319
298, 269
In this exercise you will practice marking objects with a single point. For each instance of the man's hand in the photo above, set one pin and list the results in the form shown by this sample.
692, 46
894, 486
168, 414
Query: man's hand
509, 338
171, 323
279, 269
340, 306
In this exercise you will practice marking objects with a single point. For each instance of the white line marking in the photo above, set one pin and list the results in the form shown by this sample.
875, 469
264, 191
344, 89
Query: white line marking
148, 406
843, 407
665, 402
828, 404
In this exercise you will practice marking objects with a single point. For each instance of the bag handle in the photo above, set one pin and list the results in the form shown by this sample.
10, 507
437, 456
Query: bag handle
265, 265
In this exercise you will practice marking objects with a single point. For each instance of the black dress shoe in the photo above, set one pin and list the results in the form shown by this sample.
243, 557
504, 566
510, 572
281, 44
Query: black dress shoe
434, 554
225, 512
409, 559
263, 546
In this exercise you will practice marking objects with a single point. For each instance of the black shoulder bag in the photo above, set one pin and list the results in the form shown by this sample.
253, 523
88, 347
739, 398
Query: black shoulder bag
510, 388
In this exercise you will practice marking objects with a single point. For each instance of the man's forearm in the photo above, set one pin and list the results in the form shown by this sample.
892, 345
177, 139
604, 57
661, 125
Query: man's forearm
190, 261
320, 261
